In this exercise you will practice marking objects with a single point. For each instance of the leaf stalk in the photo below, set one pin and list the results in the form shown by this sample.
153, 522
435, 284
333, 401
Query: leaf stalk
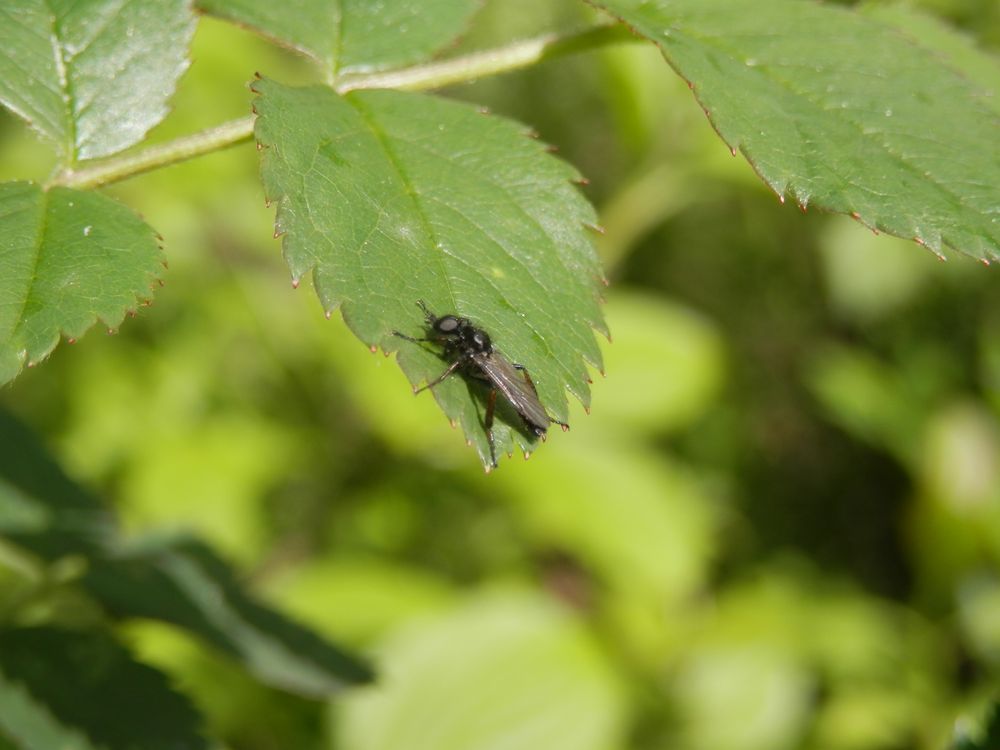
424, 77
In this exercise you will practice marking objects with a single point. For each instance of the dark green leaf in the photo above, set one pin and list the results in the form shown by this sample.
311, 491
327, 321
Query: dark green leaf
40, 508
353, 35
78, 690
184, 583
92, 75
67, 259
839, 111
981, 734
389, 198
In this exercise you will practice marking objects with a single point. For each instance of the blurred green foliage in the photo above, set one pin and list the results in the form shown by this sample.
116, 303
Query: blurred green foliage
779, 528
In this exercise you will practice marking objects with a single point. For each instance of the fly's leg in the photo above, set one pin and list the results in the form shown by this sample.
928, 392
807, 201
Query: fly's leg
410, 338
488, 424
451, 368
531, 384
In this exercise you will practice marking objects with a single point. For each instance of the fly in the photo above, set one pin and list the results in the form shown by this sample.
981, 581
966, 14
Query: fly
470, 350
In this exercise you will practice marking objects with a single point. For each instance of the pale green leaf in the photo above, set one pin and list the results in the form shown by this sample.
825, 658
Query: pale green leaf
92, 75
183, 582
67, 259
504, 672
76, 690
353, 35
390, 198
837, 110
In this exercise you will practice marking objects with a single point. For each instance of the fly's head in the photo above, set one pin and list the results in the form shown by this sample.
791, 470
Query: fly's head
459, 335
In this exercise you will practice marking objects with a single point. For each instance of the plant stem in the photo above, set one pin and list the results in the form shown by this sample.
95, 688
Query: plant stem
489, 62
417, 78
118, 168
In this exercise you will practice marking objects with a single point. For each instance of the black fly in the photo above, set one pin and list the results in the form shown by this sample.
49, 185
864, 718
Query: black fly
470, 350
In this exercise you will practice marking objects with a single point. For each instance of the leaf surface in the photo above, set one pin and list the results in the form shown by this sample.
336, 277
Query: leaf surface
945, 42
68, 258
183, 582
837, 110
81, 690
92, 75
390, 198
353, 35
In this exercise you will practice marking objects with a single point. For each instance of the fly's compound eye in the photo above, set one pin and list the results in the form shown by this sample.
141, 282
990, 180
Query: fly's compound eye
447, 324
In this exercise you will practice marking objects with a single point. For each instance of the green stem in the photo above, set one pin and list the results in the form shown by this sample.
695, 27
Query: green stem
489, 62
417, 78
164, 154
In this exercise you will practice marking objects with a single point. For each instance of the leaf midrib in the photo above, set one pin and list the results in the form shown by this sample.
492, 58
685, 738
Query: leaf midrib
411, 193
39, 240
67, 94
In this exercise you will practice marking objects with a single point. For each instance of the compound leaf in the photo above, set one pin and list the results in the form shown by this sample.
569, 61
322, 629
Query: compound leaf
837, 110
184, 583
67, 259
92, 75
353, 35
390, 198
83, 691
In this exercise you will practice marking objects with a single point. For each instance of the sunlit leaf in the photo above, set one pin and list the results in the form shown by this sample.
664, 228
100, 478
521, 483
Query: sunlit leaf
92, 75
183, 582
68, 258
353, 35
81, 690
837, 110
505, 672
390, 198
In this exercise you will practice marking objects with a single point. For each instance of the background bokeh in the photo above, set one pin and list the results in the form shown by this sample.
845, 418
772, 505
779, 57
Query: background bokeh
778, 528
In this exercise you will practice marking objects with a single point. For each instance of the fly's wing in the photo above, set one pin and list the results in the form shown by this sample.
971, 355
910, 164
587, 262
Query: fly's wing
515, 388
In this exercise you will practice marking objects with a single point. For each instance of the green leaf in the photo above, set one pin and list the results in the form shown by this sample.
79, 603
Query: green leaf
390, 198
353, 35
67, 259
92, 75
40, 508
505, 672
839, 111
81, 690
946, 43
183, 582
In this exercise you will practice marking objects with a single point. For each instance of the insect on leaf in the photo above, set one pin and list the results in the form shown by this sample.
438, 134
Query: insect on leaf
389, 198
